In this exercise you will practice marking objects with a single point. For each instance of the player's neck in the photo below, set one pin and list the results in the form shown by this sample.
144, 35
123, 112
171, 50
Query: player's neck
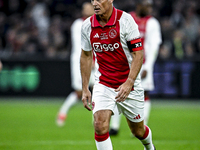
104, 18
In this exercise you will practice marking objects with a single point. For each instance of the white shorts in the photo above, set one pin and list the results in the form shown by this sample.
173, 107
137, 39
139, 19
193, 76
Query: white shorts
103, 98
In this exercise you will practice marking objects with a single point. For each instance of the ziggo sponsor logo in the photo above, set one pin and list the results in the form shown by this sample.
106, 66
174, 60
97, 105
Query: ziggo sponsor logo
98, 47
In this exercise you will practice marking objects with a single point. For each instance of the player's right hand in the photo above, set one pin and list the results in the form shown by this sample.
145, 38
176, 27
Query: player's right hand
86, 99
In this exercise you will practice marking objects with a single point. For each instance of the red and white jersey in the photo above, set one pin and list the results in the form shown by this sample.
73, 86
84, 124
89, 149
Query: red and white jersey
150, 33
109, 43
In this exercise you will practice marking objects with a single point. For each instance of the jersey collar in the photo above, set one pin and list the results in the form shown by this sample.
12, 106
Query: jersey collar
111, 22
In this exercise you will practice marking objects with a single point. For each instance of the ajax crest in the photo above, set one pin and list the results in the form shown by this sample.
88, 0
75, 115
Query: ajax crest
112, 33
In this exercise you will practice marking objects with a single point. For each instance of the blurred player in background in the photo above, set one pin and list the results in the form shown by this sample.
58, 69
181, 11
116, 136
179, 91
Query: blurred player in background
114, 38
75, 96
150, 32
1, 66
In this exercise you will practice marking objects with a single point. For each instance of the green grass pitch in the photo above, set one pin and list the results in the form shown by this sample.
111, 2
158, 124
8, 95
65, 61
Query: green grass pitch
29, 124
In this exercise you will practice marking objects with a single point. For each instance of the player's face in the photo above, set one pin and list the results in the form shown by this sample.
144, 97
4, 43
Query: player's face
101, 6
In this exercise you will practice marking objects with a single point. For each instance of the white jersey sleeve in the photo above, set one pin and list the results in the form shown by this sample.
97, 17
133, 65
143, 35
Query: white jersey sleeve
85, 35
152, 42
130, 27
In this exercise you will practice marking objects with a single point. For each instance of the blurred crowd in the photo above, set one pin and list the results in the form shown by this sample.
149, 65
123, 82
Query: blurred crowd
41, 28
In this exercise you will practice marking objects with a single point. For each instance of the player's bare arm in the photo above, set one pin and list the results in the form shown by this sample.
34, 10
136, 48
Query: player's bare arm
126, 87
86, 67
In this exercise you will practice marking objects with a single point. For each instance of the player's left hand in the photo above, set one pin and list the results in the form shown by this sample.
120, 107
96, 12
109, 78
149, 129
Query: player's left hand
144, 74
124, 90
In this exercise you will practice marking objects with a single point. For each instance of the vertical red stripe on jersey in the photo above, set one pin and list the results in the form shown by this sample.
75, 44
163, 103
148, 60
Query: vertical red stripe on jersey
100, 138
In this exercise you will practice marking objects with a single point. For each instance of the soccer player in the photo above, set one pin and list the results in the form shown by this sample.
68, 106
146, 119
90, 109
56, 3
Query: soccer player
150, 33
75, 96
114, 38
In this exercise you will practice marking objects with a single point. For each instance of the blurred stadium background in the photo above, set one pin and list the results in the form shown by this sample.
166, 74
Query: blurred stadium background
35, 51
